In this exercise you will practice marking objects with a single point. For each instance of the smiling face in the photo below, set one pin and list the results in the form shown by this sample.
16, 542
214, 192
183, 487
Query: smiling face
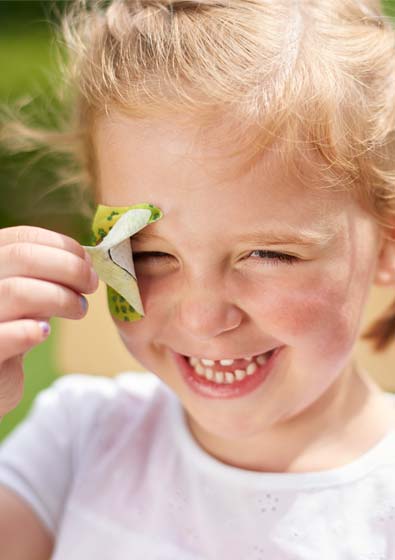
217, 284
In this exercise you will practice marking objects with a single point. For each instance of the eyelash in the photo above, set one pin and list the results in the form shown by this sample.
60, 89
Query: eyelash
274, 256
270, 255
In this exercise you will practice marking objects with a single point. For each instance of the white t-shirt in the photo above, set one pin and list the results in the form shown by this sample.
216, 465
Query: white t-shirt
109, 466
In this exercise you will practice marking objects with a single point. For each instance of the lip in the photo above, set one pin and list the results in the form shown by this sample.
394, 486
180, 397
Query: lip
212, 390
216, 359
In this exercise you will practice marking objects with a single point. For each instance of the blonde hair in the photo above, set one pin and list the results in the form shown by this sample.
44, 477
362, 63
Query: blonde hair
308, 76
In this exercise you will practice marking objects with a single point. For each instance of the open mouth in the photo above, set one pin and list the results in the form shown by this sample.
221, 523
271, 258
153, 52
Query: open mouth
228, 371
226, 378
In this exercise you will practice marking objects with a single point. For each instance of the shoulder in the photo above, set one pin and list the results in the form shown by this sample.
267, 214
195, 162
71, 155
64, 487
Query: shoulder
93, 391
95, 408
80, 401
79, 385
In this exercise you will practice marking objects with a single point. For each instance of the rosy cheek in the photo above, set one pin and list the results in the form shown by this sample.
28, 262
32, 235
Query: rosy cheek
314, 313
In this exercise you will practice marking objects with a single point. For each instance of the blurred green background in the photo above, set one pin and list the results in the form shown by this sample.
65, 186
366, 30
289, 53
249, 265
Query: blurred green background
28, 67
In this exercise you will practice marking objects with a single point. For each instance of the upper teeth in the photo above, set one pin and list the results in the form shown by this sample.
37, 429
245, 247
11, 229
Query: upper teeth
212, 362
225, 362
200, 366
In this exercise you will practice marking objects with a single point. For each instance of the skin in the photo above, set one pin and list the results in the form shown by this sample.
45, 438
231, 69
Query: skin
214, 296
42, 275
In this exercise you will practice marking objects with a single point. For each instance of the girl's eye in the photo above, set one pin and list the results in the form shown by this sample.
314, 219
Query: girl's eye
273, 256
152, 255
159, 257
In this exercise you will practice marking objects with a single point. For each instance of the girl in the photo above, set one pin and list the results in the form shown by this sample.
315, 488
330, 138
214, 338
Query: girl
265, 133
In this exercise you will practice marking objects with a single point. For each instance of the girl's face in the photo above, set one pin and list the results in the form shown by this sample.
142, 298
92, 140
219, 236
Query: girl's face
238, 266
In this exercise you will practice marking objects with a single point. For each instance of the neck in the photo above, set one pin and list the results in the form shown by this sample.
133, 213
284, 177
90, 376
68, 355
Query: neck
349, 419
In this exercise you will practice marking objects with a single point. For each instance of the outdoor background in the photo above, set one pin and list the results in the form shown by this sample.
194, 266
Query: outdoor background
27, 70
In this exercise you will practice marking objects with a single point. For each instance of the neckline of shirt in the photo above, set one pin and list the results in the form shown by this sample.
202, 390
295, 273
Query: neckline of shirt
383, 452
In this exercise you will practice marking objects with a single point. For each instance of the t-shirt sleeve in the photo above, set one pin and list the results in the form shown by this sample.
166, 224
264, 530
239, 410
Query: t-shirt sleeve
38, 458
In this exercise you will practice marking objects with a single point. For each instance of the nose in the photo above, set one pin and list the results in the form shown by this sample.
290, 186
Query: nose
206, 312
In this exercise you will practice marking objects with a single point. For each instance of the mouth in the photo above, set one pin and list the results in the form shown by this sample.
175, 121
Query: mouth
226, 378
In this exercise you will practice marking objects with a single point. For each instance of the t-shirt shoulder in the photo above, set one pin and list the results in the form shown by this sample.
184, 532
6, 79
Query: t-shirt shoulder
40, 457
96, 392
138, 384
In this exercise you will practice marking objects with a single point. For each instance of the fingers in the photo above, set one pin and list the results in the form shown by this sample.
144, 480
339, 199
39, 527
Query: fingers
18, 337
32, 298
41, 236
48, 263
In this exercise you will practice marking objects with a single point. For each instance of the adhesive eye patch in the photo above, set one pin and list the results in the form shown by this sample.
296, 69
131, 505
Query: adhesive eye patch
112, 256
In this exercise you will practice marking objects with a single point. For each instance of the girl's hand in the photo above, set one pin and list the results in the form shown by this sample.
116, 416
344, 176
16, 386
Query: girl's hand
42, 274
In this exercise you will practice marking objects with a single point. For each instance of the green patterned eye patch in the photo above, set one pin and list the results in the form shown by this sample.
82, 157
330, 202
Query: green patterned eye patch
112, 256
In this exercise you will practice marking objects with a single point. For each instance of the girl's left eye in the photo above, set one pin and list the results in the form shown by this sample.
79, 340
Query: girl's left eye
273, 256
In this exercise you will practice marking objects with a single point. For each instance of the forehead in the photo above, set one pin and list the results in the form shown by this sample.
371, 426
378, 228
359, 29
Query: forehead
163, 159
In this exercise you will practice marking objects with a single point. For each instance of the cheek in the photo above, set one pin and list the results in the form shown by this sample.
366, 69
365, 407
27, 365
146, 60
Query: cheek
134, 335
320, 314
159, 296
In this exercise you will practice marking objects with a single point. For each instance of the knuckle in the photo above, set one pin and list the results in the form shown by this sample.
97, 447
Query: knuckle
18, 234
13, 293
8, 288
22, 234
20, 252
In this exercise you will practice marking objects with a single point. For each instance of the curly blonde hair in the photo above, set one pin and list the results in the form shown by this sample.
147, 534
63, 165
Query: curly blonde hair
309, 76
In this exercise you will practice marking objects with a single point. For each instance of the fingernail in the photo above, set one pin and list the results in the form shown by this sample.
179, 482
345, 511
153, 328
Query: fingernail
45, 327
84, 303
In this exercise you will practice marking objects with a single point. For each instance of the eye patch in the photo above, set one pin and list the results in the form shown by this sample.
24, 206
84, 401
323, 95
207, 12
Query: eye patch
112, 256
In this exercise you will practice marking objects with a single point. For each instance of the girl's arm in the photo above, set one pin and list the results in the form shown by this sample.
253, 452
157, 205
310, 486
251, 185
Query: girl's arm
22, 535
42, 274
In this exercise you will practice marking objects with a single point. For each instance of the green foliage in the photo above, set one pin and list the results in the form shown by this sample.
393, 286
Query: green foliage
29, 72
389, 7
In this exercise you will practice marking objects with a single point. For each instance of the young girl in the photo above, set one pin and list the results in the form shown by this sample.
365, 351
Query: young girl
265, 133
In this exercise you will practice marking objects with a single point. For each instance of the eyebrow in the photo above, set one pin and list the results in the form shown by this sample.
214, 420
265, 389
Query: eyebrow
305, 238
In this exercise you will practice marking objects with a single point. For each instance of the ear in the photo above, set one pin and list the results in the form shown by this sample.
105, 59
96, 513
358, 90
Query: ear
385, 268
